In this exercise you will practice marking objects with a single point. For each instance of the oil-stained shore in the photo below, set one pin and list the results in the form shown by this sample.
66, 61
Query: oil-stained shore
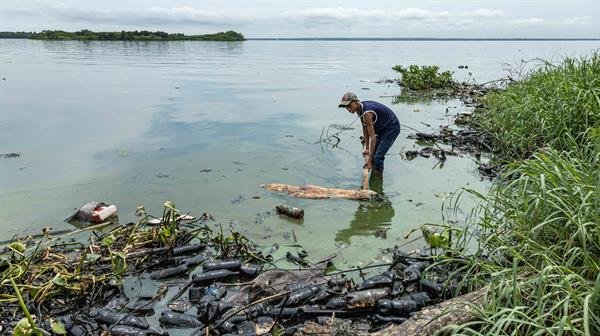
193, 277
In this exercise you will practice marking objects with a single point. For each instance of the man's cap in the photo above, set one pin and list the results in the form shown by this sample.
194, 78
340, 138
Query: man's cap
347, 98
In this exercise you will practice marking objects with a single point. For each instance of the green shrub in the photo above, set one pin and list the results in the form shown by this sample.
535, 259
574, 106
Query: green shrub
425, 77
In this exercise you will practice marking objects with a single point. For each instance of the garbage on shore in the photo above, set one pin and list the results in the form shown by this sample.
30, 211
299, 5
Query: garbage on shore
201, 280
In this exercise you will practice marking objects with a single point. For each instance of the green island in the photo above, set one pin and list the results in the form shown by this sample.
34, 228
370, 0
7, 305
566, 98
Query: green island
143, 35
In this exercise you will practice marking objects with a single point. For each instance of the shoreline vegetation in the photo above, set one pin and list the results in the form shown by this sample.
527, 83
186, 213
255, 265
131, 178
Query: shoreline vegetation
144, 35
529, 255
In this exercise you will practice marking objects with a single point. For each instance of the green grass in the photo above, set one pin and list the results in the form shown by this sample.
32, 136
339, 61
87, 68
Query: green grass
551, 106
536, 234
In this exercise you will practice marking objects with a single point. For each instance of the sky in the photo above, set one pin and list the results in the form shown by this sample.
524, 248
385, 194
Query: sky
350, 19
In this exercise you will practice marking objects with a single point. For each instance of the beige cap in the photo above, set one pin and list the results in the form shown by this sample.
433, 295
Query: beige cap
347, 98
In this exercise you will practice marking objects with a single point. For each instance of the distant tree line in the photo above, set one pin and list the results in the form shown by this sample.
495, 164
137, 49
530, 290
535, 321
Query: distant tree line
144, 35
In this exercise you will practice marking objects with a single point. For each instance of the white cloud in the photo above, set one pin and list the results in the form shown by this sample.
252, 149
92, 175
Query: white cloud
484, 13
186, 14
354, 14
154, 15
529, 22
578, 20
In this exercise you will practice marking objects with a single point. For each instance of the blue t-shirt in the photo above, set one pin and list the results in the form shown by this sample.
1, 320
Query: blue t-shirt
384, 117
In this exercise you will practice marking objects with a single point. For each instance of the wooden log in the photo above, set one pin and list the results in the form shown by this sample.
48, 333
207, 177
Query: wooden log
365, 179
424, 323
316, 192
431, 319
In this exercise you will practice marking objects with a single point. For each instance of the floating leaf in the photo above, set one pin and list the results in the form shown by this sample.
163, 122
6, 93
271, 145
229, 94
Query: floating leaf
17, 246
23, 328
92, 257
108, 240
60, 280
58, 328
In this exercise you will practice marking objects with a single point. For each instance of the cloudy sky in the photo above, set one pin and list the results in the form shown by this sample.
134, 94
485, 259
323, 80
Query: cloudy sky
279, 18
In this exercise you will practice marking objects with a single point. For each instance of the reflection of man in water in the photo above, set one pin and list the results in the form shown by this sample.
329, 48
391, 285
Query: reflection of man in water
370, 216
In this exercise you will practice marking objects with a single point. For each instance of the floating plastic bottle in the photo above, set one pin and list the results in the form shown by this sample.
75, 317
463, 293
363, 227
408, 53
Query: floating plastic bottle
290, 211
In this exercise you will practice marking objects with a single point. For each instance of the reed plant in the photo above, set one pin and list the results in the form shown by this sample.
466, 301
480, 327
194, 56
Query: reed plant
551, 106
536, 234
539, 247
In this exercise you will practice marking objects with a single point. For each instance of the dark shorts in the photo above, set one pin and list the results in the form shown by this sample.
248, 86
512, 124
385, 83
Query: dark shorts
385, 140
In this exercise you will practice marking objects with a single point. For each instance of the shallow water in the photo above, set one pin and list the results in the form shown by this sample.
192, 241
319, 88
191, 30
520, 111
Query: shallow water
205, 123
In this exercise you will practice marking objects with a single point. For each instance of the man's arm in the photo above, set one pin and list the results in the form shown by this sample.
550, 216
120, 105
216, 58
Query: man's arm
369, 134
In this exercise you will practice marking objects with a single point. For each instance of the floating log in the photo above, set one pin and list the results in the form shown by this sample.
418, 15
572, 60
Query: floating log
316, 192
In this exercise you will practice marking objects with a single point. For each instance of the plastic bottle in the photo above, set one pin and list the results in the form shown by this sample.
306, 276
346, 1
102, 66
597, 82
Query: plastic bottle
290, 211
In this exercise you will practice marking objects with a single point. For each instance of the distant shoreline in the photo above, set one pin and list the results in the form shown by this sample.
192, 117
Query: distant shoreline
144, 35
232, 36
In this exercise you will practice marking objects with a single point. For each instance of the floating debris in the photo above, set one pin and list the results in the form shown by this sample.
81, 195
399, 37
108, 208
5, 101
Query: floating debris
290, 211
223, 284
93, 212
10, 155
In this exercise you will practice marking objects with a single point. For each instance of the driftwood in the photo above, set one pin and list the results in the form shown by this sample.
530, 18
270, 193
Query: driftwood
433, 318
424, 323
316, 192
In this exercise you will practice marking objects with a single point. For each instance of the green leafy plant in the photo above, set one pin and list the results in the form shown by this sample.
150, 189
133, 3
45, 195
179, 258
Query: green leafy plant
168, 232
425, 77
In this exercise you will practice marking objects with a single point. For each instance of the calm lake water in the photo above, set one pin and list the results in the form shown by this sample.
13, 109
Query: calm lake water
205, 123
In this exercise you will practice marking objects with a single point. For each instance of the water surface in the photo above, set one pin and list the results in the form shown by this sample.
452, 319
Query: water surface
205, 123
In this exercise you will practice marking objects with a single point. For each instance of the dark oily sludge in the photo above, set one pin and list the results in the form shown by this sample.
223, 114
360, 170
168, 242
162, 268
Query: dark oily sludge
421, 298
366, 298
401, 307
125, 330
187, 249
432, 288
299, 296
168, 272
207, 277
413, 271
250, 270
180, 320
232, 265
196, 260
381, 280
109, 317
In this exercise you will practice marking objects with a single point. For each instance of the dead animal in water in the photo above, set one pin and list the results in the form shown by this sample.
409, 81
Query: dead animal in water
316, 192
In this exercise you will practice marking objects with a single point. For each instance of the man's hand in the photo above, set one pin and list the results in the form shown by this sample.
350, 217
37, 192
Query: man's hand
368, 163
